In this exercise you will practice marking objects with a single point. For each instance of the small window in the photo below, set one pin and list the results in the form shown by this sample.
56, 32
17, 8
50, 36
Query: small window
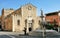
18, 22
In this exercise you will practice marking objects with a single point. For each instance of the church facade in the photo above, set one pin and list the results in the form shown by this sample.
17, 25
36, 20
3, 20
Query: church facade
17, 20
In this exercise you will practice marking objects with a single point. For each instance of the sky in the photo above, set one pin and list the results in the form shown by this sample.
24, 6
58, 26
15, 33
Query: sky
46, 5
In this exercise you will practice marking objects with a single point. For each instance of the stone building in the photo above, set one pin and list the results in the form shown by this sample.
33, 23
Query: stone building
5, 13
17, 20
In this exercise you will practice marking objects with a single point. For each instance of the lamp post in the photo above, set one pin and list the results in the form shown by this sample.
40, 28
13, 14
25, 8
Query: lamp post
43, 23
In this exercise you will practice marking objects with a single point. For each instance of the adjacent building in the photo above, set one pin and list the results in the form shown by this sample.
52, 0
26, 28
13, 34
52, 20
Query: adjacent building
50, 17
53, 17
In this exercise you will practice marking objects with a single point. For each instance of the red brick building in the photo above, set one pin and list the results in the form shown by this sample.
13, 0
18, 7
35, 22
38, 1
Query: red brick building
50, 17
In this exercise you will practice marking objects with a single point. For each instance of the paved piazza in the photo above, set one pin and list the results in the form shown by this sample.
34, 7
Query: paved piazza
16, 35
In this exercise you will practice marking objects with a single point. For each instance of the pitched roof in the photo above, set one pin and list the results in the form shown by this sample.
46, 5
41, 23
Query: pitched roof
19, 10
14, 12
56, 12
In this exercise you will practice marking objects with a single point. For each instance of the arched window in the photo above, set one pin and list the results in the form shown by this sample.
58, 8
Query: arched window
18, 22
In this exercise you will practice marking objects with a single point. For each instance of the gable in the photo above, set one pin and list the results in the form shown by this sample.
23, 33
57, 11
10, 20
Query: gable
29, 5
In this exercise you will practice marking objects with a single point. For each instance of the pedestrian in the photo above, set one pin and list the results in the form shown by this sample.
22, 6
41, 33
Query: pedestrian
24, 31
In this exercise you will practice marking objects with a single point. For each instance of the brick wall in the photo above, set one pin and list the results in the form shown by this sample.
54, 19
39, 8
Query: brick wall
51, 18
8, 23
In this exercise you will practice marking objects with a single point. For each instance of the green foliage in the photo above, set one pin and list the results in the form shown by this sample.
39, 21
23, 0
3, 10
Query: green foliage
50, 26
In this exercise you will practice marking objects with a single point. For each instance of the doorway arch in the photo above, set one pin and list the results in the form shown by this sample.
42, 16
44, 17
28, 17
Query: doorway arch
30, 24
0, 26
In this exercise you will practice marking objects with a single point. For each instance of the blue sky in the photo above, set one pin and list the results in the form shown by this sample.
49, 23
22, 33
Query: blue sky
46, 5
